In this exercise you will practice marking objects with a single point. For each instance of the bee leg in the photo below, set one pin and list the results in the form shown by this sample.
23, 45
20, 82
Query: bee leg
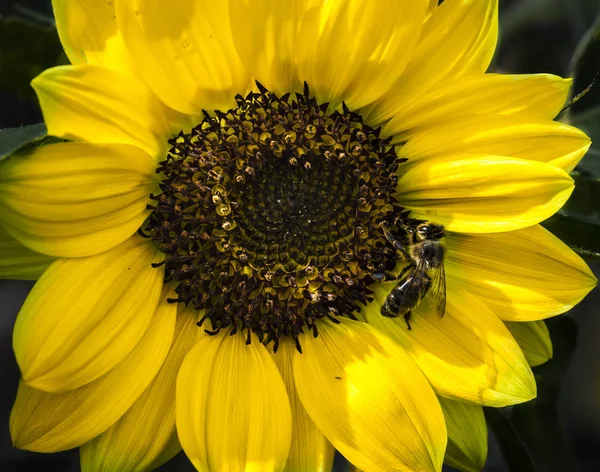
407, 319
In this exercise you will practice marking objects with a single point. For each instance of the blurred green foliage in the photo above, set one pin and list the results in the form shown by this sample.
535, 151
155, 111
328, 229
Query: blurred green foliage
530, 435
585, 112
578, 223
24, 39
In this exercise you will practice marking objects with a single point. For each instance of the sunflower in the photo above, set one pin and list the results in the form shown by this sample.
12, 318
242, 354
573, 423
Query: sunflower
248, 187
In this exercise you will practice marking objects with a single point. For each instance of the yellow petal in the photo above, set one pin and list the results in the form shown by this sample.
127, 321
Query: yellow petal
527, 138
458, 38
467, 435
184, 51
354, 50
134, 442
89, 34
83, 316
483, 194
172, 448
227, 389
431, 6
75, 199
534, 339
266, 38
536, 96
369, 398
466, 355
19, 262
95, 104
309, 449
50, 422
521, 275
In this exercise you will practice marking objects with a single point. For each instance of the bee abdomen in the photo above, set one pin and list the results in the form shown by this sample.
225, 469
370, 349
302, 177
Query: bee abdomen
397, 303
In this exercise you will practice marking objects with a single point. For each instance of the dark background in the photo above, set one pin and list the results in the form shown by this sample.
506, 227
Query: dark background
558, 431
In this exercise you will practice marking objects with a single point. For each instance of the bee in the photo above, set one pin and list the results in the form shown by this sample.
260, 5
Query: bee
423, 278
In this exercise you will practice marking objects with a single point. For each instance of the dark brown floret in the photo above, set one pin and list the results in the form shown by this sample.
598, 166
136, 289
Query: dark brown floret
271, 214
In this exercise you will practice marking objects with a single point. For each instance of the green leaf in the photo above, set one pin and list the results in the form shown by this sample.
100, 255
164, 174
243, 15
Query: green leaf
530, 435
14, 139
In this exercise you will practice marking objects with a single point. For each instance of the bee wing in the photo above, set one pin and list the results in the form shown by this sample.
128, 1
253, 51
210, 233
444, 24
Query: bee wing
436, 295
419, 276
411, 285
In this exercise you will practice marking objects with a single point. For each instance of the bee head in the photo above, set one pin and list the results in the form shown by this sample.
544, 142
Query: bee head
428, 231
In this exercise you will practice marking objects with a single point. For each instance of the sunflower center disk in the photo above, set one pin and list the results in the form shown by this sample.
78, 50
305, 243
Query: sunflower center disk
271, 214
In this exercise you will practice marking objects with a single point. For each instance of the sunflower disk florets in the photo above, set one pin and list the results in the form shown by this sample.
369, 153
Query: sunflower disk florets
271, 214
